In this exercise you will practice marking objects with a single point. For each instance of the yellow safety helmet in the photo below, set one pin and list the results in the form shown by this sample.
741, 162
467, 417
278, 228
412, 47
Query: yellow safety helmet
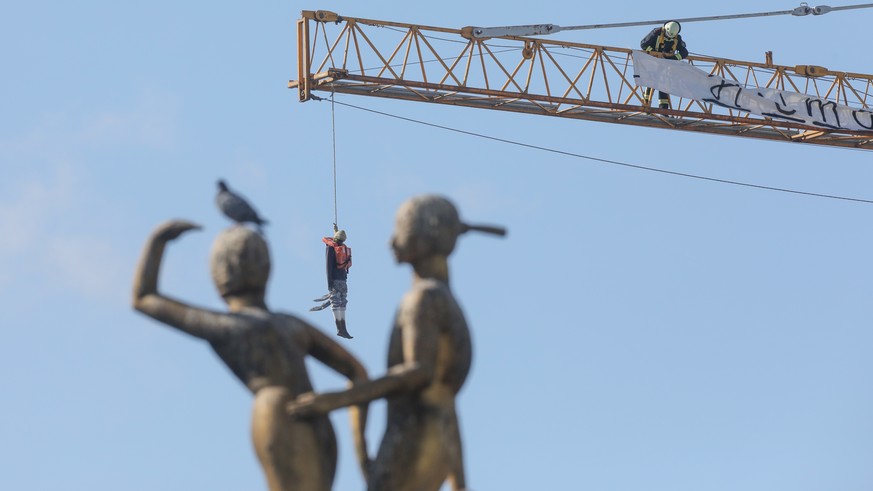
672, 28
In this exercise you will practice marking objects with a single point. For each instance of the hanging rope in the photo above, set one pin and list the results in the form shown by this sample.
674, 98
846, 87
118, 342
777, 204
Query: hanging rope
333, 132
609, 161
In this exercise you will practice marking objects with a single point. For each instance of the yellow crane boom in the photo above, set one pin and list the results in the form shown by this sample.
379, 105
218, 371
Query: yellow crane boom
530, 75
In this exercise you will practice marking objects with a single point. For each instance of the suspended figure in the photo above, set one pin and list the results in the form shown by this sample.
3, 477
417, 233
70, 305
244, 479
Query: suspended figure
429, 356
339, 260
666, 41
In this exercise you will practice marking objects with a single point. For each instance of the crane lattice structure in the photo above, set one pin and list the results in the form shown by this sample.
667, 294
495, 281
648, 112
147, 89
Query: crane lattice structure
348, 55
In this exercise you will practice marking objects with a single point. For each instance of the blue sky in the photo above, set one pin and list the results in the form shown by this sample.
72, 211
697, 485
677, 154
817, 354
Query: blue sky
635, 331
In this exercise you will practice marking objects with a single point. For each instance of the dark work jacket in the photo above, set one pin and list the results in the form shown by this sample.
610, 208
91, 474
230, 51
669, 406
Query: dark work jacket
333, 272
667, 46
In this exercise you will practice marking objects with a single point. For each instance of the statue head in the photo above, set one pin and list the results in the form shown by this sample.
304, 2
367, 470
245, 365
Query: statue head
429, 226
425, 225
240, 262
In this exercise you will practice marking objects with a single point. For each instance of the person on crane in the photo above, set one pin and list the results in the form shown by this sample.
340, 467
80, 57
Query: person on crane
339, 260
666, 41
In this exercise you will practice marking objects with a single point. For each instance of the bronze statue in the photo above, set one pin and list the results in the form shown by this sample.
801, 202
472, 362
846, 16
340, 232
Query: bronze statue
429, 356
265, 350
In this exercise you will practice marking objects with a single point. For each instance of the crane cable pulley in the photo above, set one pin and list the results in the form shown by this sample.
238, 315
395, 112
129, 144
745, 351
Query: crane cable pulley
545, 29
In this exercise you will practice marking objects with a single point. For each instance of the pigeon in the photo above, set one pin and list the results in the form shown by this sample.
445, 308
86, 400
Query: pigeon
235, 207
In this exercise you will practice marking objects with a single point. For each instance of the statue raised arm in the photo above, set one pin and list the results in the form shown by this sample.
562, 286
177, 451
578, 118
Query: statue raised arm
265, 350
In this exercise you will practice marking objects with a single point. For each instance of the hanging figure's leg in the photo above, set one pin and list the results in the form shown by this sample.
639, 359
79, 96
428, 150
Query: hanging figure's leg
338, 302
647, 96
663, 100
340, 318
320, 307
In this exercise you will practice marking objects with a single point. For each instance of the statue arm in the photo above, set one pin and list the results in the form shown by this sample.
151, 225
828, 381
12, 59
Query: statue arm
146, 298
420, 329
458, 477
335, 356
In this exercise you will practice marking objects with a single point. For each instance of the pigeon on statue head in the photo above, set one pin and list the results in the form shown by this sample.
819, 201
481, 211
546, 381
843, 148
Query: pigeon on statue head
236, 208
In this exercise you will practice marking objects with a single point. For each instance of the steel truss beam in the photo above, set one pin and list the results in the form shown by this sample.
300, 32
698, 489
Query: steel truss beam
554, 78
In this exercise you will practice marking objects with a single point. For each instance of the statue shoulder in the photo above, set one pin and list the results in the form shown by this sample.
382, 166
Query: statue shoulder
433, 296
430, 288
258, 319
287, 321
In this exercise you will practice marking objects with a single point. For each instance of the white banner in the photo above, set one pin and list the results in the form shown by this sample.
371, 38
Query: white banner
681, 79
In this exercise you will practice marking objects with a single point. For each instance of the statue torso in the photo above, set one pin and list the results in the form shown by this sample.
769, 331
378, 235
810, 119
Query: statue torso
266, 349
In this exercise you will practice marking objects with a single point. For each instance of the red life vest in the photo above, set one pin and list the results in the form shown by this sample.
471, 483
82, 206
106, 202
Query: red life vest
342, 251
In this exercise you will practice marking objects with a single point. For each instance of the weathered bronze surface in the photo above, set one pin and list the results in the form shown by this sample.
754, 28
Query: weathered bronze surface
265, 350
429, 357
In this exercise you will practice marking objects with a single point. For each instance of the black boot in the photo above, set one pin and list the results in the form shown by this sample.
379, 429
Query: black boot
341, 330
